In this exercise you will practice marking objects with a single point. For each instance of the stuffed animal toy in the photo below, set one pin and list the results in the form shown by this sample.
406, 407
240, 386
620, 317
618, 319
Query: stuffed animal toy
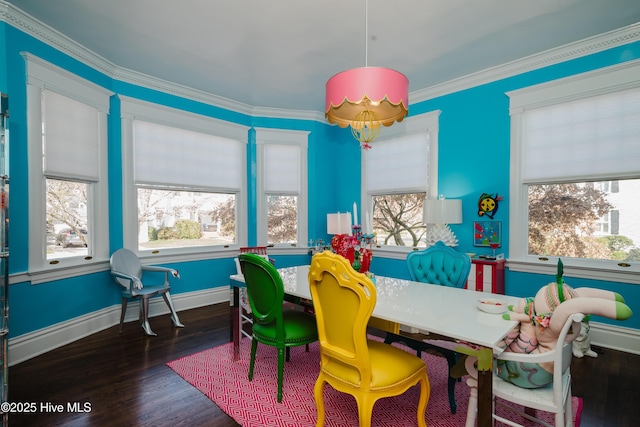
582, 343
541, 320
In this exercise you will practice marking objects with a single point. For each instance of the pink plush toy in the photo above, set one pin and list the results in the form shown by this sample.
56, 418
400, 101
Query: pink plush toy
541, 320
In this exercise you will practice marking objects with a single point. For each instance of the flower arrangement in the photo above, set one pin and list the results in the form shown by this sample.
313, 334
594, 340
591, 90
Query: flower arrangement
355, 247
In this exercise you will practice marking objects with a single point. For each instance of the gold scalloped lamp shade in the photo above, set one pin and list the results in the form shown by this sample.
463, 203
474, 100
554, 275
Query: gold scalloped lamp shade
366, 98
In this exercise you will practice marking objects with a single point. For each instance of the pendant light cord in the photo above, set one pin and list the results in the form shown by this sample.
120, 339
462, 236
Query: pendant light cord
366, 33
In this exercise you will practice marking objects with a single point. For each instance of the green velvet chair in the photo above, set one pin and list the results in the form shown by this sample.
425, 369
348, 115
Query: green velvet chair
271, 324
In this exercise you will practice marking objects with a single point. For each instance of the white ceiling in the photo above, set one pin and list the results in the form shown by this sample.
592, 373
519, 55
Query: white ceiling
280, 53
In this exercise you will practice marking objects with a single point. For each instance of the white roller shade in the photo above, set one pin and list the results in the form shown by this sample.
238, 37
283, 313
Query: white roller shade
282, 168
165, 155
70, 136
398, 164
590, 137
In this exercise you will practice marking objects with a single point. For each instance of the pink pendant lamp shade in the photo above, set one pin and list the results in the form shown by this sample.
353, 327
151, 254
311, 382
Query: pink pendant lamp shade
382, 91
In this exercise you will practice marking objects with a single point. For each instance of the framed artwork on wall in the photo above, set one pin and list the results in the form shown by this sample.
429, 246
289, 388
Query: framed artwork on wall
487, 233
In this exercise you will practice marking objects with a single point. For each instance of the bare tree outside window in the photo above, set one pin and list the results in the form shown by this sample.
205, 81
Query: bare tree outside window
398, 219
282, 217
66, 219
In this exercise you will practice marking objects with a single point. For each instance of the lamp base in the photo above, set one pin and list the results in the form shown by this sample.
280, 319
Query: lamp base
442, 232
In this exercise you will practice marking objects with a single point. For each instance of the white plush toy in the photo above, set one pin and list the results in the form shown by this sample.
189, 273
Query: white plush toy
582, 343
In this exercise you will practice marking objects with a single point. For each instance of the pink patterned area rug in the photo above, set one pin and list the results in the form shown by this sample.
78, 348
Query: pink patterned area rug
254, 403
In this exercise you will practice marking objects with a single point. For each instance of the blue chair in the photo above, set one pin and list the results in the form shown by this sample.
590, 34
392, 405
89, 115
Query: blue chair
441, 265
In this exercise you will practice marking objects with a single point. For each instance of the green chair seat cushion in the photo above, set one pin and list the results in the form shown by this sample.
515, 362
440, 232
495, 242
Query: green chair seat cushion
299, 328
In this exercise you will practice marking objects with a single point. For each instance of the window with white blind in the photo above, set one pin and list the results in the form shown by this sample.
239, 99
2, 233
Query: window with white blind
184, 180
398, 172
576, 170
281, 187
67, 136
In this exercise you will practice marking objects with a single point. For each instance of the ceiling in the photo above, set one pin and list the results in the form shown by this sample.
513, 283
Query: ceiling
280, 53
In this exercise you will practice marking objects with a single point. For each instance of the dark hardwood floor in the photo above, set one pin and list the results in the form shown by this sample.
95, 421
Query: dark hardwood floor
126, 382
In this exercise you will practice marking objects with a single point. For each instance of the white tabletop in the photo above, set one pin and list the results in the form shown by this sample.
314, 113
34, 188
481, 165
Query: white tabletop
451, 312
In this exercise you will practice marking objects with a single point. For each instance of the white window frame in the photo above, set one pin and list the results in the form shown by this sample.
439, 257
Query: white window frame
605, 80
42, 75
427, 123
135, 109
297, 138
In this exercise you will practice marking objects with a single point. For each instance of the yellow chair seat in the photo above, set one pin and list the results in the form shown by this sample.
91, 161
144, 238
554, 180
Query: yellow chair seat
389, 367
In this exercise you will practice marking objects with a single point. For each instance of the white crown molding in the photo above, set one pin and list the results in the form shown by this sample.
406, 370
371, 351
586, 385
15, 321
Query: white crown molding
553, 56
20, 20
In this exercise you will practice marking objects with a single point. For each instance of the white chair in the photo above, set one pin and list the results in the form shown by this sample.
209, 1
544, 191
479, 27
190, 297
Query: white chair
126, 270
554, 398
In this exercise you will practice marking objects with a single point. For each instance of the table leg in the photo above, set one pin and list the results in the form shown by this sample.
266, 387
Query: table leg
236, 322
479, 365
485, 387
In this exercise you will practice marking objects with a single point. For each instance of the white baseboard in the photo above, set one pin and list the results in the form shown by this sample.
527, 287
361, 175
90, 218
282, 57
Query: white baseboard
615, 337
32, 344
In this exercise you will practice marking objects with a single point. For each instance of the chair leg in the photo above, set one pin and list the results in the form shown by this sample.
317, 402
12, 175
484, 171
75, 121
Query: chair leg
144, 306
124, 310
319, 398
451, 384
449, 355
287, 353
254, 346
280, 371
174, 314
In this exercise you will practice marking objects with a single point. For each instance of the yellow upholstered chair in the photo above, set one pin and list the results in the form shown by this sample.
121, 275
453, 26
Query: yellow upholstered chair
343, 300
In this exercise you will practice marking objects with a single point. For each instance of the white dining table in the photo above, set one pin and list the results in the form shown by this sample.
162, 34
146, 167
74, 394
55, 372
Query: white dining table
442, 310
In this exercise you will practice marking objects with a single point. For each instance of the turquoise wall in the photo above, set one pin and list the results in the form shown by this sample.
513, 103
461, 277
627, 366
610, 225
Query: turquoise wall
473, 159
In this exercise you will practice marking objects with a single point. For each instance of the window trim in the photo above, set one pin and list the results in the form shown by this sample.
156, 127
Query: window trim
41, 75
605, 80
422, 123
134, 109
282, 137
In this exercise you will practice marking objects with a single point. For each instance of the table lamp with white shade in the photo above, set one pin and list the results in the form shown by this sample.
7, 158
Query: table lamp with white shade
339, 223
438, 213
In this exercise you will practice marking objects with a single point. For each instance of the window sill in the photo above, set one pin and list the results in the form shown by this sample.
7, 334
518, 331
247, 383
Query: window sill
603, 271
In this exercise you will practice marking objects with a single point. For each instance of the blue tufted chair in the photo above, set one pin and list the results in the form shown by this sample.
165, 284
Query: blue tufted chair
439, 264
442, 265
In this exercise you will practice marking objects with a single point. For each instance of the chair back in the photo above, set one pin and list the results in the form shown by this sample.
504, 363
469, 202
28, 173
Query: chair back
265, 289
440, 265
258, 250
127, 262
343, 300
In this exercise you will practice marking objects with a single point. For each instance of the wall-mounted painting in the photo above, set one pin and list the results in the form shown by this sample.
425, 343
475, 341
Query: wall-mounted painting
487, 233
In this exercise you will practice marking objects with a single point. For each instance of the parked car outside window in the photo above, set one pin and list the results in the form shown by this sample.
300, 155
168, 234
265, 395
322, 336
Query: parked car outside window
68, 237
